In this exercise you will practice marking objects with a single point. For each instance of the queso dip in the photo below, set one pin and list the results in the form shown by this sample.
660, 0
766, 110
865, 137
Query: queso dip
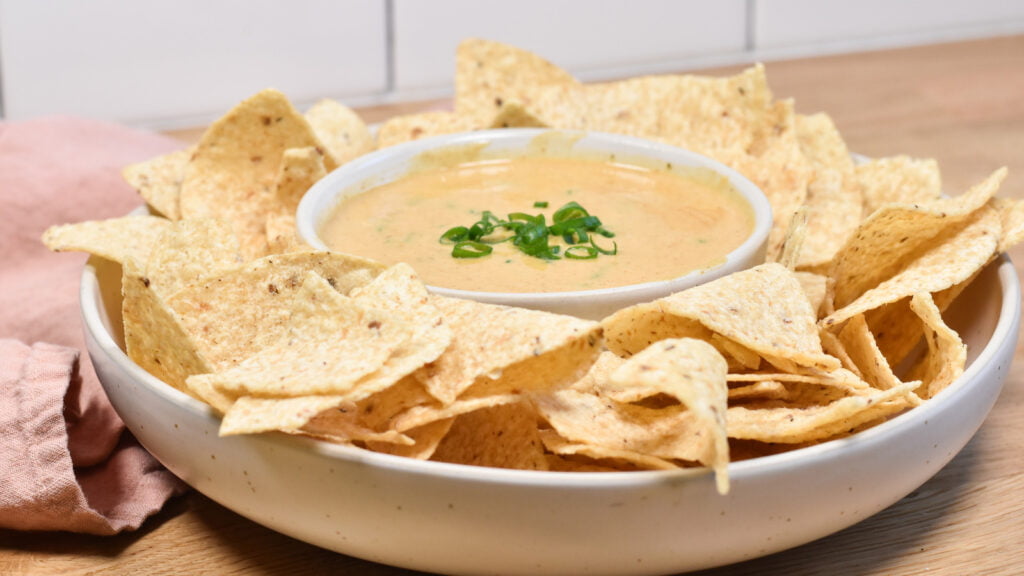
666, 223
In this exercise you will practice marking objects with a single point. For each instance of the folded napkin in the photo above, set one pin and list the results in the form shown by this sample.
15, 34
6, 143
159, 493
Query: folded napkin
66, 461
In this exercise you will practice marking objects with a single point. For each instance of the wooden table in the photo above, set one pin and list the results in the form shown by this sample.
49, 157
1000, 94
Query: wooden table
962, 104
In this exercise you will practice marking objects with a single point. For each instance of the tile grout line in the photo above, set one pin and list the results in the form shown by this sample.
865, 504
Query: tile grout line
389, 41
750, 38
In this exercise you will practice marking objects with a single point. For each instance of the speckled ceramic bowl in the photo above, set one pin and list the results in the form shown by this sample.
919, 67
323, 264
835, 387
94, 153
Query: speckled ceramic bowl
457, 519
389, 164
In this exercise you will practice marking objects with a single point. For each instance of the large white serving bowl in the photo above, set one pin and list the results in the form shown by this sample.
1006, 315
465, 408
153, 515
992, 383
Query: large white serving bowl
458, 519
389, 164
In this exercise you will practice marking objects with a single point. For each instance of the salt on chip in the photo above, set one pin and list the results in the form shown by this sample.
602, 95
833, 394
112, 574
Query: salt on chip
158, 180
236, 164
128, 238
343, 132
327, 346
763, 309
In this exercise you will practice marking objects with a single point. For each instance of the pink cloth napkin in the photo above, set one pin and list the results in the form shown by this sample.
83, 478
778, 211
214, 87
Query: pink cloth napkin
66, 461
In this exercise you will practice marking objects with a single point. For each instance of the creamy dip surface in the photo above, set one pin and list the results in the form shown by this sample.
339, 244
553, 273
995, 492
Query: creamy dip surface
667, 223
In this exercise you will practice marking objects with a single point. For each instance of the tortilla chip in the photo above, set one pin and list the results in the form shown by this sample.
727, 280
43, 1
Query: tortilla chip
237, 162
796, 425
834, 203
300, 168
488, 74
605, 458
423, 125
1012, 212
504, 436
885, 241
343, 132
946, 356
425, 441
488, 340
898, 179
763, 309
694, 373
191, 251
954, 257
129, 238
329, 345
154, 335
669, 433
238, 312
158, 181
859, 343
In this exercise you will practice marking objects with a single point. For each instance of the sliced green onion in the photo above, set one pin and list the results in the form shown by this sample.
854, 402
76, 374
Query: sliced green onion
531, 234
453, 235
580, 252
614, 250
569, 211
471, 249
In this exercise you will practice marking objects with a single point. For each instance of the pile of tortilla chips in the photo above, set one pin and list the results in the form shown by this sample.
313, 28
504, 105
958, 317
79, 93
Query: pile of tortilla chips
223, 302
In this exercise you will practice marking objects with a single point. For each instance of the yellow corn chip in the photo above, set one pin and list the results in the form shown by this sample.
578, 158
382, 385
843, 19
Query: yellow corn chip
158, 181
117, 239
343, 132
763, 309
236, 164
899, 179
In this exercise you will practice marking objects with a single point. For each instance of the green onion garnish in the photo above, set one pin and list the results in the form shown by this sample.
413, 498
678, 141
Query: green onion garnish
531, 234
471, 249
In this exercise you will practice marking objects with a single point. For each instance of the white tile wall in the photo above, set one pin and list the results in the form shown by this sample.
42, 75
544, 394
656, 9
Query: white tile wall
592, 39
164, 63
158, 63
802, 25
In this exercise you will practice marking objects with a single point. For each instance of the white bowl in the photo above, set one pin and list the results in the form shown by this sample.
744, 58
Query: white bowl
458, 519
392, 163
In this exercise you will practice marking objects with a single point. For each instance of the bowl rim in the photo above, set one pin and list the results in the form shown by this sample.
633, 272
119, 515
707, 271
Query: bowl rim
1007, 325
308, 219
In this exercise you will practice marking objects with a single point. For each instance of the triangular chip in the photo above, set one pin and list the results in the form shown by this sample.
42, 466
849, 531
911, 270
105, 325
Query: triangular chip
158, 181
117, 239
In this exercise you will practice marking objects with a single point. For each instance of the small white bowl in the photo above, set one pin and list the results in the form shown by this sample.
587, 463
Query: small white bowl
392, 163
456, 519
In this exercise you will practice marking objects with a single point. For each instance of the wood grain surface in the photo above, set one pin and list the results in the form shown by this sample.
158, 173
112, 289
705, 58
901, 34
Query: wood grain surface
961, 103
